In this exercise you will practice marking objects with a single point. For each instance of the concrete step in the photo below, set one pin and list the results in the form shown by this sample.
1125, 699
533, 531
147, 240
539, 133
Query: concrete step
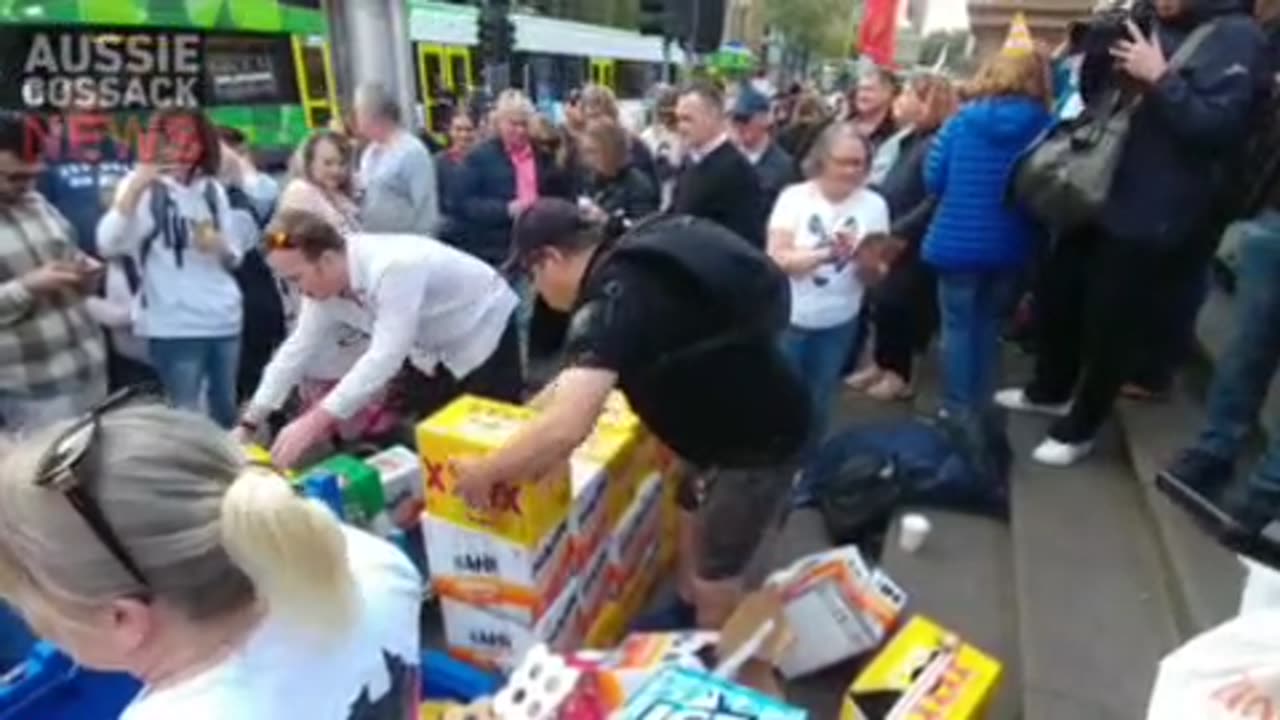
963, 578
1205, 578
1094, 609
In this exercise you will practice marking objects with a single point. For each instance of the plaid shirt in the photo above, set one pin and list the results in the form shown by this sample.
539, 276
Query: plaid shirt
48, 344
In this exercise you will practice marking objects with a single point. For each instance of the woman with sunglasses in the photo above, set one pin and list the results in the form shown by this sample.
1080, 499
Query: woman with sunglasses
440, 322
139, 540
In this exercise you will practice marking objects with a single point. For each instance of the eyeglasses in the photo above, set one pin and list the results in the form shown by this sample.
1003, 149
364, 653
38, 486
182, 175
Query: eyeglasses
59, 470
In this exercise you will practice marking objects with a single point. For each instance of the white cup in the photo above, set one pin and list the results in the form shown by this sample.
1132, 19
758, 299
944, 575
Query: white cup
913, 528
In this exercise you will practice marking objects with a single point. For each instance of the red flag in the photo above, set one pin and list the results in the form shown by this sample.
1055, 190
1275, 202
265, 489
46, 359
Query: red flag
879, 31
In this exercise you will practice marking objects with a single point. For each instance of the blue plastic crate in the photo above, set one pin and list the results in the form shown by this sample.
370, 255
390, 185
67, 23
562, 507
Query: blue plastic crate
48, 685
444, 678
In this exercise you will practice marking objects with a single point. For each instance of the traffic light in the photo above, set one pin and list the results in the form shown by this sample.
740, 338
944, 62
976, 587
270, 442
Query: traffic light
497, 34
655, 17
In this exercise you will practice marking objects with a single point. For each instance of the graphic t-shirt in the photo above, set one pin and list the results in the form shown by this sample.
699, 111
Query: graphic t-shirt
371, 673
831, 294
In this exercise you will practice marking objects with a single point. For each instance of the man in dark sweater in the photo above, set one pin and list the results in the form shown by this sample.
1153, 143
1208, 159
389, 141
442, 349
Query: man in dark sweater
717, 182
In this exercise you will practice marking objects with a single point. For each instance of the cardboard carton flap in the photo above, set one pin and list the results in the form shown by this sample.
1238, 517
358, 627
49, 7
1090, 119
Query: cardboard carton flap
756, 610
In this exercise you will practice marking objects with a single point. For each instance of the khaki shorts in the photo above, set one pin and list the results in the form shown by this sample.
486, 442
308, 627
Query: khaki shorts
736, 510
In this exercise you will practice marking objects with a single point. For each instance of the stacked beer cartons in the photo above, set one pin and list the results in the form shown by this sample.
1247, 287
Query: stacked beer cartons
504, 573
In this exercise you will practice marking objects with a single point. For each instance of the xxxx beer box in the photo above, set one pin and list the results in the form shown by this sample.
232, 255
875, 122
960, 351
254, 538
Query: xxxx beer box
482, 637
522, 512
491, 572
615, 616
621, 449
589, 524
637, 534
687, 694
925, 671
593, 586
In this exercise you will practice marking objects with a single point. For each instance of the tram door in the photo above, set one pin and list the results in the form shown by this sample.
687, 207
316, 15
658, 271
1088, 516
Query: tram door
319, 93
604, 72
446, 76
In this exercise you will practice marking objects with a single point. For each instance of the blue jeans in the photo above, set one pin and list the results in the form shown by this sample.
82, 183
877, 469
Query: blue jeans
972, 306
187, 365
818, 357
1242, 377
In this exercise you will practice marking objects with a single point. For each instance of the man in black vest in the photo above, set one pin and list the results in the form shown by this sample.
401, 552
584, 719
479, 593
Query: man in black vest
717, 182
683, 317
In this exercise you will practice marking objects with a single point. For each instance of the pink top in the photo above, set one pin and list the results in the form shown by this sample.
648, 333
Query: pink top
338, 210
526, 174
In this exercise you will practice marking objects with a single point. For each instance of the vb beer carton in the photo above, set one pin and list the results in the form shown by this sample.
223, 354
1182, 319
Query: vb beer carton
490, 572
523, 512
925, 671
488, 639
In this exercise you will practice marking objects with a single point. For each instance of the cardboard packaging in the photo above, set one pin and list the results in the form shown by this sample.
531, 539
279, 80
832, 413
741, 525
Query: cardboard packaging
615, 616
495, 574
589, 517
925, 671
523, 512
401, 474
637, 533
480, 636
593, 586
838, 606
616, 675
362, 495
687, 694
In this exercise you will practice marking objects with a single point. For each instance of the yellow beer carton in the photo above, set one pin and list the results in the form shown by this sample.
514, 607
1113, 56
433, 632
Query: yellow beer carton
589, 517
636, 535
593, 586
523, 512
926, 671
615, 617
496, 574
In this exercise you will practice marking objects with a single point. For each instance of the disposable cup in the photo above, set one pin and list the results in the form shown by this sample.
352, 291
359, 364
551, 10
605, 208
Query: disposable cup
912, 531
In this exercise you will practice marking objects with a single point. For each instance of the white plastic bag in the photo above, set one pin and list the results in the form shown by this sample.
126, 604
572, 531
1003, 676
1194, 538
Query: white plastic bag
1231, 672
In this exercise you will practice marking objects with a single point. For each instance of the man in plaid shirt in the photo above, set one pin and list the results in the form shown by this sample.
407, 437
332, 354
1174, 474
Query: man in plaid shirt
52, 355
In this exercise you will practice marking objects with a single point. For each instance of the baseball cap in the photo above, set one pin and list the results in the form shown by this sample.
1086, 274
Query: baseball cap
749, 104
548, 222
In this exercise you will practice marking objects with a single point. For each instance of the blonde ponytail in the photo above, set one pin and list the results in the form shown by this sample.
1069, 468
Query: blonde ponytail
292, 549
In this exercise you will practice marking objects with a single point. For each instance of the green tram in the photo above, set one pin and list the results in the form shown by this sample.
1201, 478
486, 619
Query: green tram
267, 65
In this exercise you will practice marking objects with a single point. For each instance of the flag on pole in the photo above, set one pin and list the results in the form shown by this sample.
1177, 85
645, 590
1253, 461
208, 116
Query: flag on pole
879, 31
1018, 41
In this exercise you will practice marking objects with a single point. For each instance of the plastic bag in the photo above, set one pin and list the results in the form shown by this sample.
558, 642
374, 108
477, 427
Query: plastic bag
1231, 672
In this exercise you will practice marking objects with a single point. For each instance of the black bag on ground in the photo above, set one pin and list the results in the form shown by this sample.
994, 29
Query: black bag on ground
859, 477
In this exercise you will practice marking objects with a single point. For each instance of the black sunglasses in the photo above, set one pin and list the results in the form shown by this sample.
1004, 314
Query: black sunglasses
59, 466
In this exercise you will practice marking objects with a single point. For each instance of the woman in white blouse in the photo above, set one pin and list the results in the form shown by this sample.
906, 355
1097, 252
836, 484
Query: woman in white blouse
815, 228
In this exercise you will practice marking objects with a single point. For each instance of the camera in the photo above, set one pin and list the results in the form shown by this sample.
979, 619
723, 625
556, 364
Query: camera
1100, 31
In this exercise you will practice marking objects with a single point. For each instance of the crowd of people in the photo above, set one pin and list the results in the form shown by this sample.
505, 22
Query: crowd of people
730, 267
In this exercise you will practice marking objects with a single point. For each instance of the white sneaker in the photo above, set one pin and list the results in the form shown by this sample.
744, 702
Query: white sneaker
1059, 454
1016, 399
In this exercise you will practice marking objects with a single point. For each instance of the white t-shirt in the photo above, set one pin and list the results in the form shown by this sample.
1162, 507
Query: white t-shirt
831, 294
370, 673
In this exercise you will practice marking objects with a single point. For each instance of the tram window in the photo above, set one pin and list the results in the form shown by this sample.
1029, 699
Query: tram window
251, 70
318, 116
461, 68
317, 80
632, 79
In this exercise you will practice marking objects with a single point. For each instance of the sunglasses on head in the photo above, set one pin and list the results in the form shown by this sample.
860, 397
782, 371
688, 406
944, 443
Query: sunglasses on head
278, 240
60, 469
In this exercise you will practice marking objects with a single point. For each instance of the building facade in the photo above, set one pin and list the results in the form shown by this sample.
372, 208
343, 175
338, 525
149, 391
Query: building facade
1048, 19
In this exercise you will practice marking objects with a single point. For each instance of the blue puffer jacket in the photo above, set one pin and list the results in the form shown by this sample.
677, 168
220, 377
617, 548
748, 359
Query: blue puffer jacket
968, 169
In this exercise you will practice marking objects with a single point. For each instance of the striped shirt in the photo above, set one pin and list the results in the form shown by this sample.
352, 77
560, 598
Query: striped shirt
48, 344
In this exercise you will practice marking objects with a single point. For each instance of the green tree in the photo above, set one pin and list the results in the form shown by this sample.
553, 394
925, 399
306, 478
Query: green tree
821, 28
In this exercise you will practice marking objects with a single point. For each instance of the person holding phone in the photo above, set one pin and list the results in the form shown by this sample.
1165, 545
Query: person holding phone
53, 360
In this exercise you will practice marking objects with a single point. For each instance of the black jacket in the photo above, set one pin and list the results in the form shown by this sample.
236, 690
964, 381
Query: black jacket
626, 198
910, 205
487, 186
1187, 126
723, 188
776, 170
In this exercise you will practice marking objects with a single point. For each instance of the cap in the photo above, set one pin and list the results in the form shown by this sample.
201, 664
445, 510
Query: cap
546, 223
749, 104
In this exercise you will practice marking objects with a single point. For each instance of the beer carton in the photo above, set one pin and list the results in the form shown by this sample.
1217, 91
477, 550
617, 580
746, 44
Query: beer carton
523, 512
616, 616
838, 607
593, 586
493, 573
617, 674
925, 671
622, 449
588, 519
401, 474
637, 533
362, 496
487, 639
679, 692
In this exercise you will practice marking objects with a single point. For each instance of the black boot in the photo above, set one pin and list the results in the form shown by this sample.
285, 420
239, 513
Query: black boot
1197, 470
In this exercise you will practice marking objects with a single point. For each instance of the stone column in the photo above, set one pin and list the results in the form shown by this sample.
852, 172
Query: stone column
370, 43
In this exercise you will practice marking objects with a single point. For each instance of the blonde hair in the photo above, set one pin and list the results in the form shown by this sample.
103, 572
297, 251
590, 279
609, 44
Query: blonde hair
210, 534
612, 140
513, 103
1006, 75
937, 95
599, 99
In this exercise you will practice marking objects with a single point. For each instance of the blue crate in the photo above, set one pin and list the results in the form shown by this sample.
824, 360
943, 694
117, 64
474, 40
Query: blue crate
444, 678
48, 685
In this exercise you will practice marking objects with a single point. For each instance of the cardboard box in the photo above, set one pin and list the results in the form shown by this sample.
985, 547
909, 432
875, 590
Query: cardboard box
488, 639
523, 512
621, 448
401, 475
615, 675
504, 577
925, 671
362, 496
837, 605
588, 519
616, 616
690, 695
593, 586
636, 534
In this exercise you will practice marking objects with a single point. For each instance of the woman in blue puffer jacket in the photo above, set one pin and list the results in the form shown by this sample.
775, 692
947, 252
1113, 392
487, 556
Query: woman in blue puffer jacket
977, 243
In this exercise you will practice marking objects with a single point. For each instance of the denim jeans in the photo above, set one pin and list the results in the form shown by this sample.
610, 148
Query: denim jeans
1243, 376
188, 365
818, 356
972, 305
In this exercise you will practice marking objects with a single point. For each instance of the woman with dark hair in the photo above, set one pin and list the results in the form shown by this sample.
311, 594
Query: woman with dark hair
903, 311
808, 118
450, 163
171, 215
617, 194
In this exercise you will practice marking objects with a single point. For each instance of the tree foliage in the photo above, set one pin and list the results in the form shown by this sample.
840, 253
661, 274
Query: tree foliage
825, 28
